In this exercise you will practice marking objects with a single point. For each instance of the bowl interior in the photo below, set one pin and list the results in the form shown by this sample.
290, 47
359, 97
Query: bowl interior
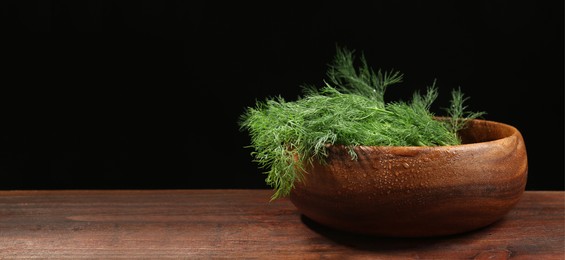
478, 131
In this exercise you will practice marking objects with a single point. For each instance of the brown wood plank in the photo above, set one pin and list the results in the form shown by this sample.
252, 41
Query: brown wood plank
190, 224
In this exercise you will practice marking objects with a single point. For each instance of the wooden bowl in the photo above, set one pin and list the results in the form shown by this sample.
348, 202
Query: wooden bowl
418, 191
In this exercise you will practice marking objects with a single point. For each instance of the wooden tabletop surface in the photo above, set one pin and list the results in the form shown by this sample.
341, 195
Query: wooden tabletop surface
243, 224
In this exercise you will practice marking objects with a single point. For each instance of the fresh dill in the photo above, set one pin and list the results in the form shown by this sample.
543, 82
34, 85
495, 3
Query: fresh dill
349, 110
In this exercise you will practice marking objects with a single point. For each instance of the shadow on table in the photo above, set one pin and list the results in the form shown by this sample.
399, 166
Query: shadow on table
375, 243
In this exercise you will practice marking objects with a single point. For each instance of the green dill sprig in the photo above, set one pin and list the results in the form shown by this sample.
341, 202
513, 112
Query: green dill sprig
348, 110
458, 116
363, 81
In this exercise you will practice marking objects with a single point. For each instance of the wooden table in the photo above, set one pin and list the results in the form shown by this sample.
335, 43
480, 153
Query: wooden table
236, 224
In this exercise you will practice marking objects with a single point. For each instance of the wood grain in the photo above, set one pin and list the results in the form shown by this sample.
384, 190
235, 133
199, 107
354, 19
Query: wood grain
243, 224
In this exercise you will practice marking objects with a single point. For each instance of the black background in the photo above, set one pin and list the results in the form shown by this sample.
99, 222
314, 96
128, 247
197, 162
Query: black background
147, 94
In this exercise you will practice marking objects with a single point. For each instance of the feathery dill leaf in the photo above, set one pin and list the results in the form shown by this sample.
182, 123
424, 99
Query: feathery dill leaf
363, 81
348, 110
458, 116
